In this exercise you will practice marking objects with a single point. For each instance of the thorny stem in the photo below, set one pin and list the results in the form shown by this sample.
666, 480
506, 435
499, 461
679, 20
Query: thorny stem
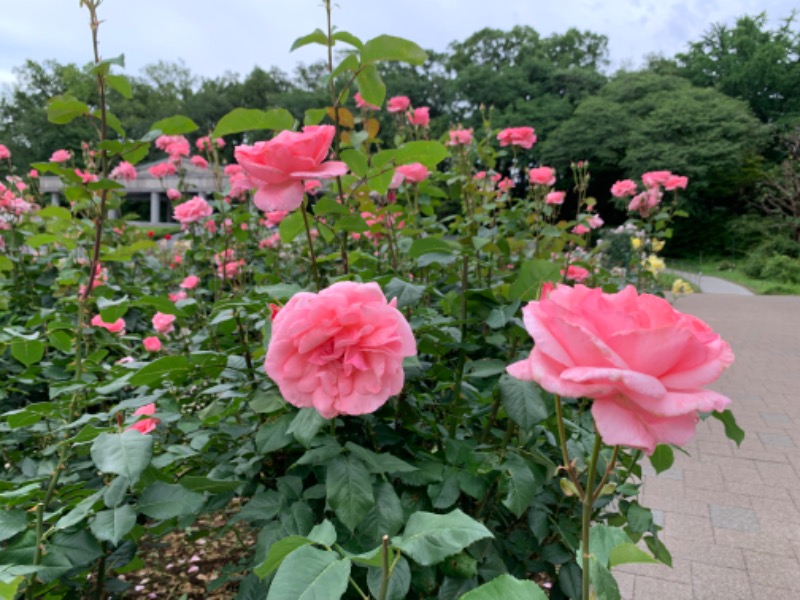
586, 521
562, 438
609, 468
385, 571
462, 356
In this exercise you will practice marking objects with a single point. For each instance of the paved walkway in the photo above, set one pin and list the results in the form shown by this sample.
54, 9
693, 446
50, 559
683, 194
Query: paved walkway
731, 515
713, 285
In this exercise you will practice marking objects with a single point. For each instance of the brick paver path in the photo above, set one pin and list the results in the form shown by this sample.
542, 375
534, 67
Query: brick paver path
731, 515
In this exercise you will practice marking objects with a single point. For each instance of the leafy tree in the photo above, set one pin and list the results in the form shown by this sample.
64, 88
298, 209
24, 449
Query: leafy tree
644, 121
751, 62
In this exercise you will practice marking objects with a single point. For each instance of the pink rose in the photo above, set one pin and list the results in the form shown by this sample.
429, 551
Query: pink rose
506, 184
555, 198
199, 162
163, 323
173, 194
152, 344
125, 171
623, 188
192, 211
60, 156
524, 137
177, 296
5, 153
204, 143
33, 174
643, 362
312, 185
190, 282
646, 201
270, 242
274, 218
398, 104
117, 326
576, 273
340, 351
542, 176
420, 117
595, 221
460, 137
161, 170
174, 145
279, 166
145, 426
580, 229
361, 103
676, 181
413, 173
85, 176
654, 178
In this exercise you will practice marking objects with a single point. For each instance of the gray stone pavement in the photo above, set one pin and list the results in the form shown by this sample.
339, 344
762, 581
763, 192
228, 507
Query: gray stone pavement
731, 515
713, 285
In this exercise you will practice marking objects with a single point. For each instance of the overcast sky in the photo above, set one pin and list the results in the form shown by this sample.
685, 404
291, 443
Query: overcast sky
215, 36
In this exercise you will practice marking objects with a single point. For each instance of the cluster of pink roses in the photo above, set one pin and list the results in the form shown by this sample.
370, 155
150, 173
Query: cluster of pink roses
645, 202
192, 211
418, 117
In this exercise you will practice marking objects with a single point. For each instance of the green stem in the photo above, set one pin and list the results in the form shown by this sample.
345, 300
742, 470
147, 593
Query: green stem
588, 501
101, 576
562, 438
609, 468
385, 572
358, 589
51, 488
315, 269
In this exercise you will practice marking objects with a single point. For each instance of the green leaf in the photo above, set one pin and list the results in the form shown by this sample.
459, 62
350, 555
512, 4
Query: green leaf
662, 458
278, 552
252, 119
175, 368
484, 367
386, 517
324, 533
198, 483
40, 239
522, 401
64, 109
354, 223
11, 523
602, 540
28, 352
274, 436
629, 553
732, 429
164, 501
429, 245
521, 485
127, 453
310, 574
349, 490
429, 154
291, 227
176, 125
390, 48
79, 511
160, 303
640, 519
120, 84
6, 264
371, 85
379, 463
407, 294
306, 425
348, 38
506, 587
315, 37
356, 161
114, 524
603, 582
314, 116
326, 206
430, 538
532, 275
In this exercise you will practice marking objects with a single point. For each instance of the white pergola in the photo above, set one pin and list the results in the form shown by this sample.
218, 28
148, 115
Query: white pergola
196, 181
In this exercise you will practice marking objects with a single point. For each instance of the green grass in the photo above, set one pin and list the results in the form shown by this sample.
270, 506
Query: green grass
726, 269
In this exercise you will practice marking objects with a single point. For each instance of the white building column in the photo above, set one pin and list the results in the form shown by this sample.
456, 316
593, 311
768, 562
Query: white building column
155, 207
54, 198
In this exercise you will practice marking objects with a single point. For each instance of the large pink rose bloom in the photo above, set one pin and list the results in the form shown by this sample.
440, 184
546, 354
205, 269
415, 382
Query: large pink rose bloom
279, 166
340, 351
643, 362
524, 137
192, 211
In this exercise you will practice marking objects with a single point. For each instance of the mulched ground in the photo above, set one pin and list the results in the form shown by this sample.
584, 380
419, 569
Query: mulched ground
182, 564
